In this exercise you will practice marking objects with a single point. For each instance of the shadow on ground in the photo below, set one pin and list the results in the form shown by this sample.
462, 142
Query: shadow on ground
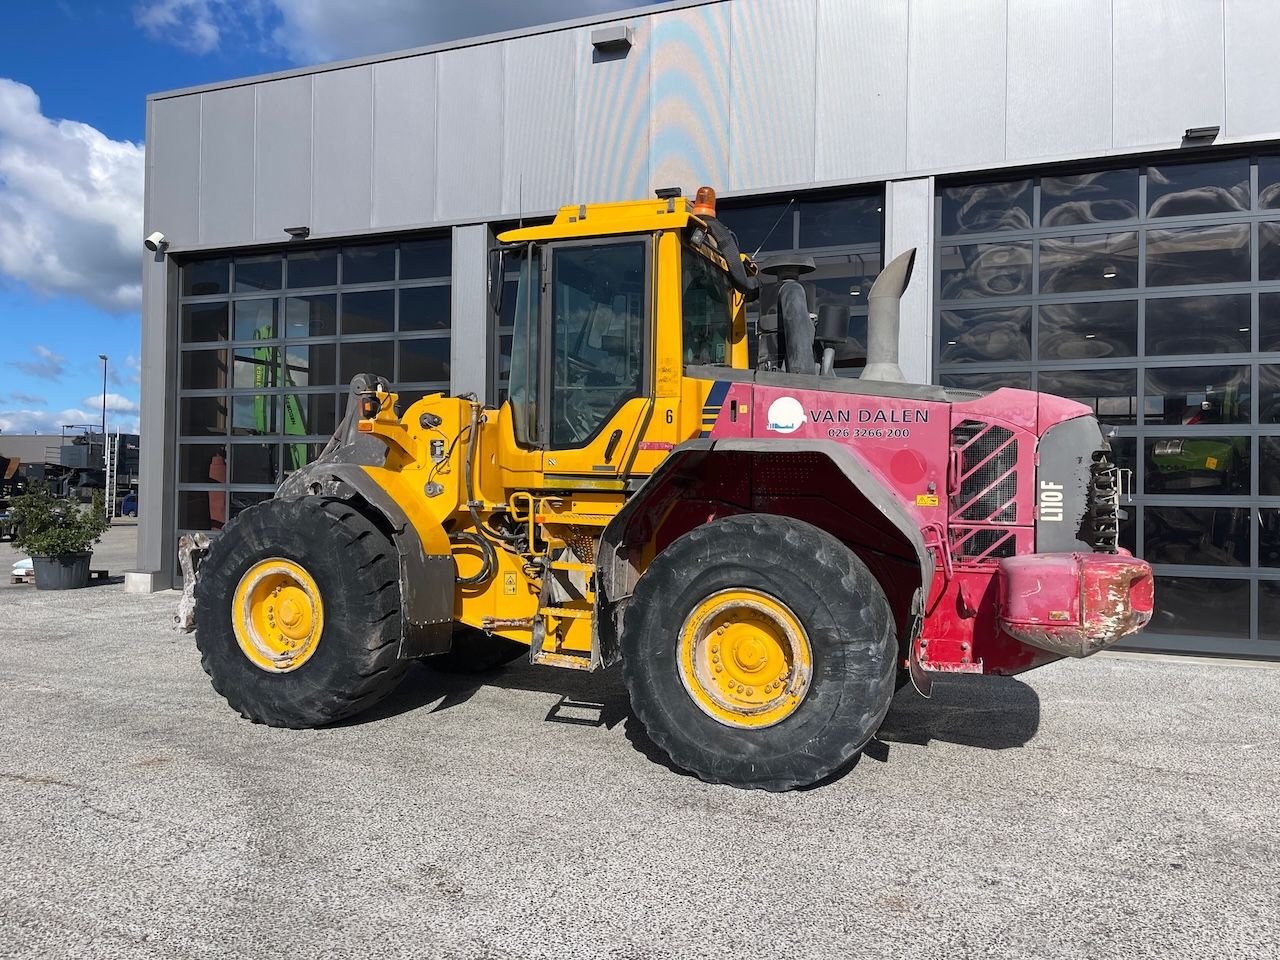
990, 713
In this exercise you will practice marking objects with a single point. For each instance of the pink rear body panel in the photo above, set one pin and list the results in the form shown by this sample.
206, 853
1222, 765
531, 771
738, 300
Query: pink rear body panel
966, 473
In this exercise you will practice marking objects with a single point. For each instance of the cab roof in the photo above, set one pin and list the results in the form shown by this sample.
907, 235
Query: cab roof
602, 219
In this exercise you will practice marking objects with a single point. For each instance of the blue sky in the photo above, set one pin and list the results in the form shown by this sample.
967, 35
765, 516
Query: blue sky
74, 76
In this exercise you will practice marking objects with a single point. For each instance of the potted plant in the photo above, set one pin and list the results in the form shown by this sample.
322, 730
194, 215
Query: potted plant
58, 535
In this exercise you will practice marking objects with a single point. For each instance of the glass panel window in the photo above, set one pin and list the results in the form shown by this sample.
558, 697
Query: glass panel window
707, 310
1192, 189
1269, 321
1269, 251
526, 323
1198, 325
1087, 198
254, 368
253, 462
253, 415
986, 382
1269, 393
991, 333
1111, 394
203, 370
313, 316
1088, 331
373, 263
422, 259
258, 273
845, 221
357, 356
1269, 610
200, 278
1269, 537
204, 322
1217, 254
425, 308
298, 455
986, 207
1198, 464
1201, 607
313, 268
1095, 261
310, 365
1269, 466
1205, 536
1197, 395
202, 509
202, 462
202, 416
241, 500
310, 414
370, 311
1269, 183
985, 270
767, 226
597, 332
424, 360
255, 319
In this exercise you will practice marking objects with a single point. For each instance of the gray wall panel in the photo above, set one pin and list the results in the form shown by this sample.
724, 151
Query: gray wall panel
537, 111
771, 110
862, 88
469, 349
612, 120
1252, 68
908, 222
173, 170
342, 194
1168, 70
1059, 85
282, 191
956, 83
404, 141
226, 165
469, 144
689, 98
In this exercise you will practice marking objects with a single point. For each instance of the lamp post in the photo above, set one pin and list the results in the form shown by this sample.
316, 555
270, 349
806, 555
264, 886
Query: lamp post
103, 358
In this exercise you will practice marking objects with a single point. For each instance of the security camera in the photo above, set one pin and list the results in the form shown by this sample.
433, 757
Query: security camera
155, 242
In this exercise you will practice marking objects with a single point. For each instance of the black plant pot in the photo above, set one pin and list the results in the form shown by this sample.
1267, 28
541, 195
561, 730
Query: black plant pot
65, 572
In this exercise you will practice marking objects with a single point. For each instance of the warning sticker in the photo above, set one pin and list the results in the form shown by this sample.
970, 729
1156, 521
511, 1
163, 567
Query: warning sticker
926, 499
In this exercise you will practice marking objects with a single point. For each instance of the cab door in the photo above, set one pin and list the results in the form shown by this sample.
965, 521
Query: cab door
597, 396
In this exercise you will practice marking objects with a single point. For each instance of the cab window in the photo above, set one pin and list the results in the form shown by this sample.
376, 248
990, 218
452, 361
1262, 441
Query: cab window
707, 309
598, 311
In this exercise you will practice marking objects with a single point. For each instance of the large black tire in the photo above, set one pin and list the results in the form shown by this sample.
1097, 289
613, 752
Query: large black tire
356, 571
475, 651
843, 611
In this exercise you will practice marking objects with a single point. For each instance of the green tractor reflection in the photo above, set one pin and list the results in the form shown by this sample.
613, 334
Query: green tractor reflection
1198, 462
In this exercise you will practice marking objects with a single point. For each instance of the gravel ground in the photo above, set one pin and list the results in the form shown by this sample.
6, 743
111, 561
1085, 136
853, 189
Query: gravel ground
1120, 807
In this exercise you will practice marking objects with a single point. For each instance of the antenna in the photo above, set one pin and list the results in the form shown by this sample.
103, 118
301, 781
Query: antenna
790, 203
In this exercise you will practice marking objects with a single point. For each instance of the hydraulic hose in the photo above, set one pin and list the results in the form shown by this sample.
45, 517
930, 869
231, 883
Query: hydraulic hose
742, 281
486, 551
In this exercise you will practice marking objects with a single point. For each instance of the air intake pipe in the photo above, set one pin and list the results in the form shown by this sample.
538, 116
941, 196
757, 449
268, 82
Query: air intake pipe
884, 319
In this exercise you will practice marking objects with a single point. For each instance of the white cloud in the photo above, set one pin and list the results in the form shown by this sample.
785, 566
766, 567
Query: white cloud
116, 403
130, 374
189, 24
52, 421
47, 365
29, 399
70, 205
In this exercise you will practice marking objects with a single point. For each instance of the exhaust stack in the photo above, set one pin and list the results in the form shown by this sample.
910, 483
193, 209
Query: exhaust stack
884, 319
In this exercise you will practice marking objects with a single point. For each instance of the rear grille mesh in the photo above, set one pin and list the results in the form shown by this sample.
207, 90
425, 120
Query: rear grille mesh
988, 474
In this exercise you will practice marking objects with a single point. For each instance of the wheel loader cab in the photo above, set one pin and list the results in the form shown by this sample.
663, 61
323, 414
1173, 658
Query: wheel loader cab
602, 329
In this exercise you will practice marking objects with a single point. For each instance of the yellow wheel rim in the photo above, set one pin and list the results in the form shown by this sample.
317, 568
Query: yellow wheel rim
277, 615
745, 659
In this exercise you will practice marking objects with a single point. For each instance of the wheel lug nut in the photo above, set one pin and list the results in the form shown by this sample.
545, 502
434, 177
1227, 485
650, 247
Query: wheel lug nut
715, 648
750, 691
719, 668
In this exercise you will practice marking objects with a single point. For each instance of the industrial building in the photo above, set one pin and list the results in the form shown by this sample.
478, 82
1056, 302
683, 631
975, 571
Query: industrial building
1093, 187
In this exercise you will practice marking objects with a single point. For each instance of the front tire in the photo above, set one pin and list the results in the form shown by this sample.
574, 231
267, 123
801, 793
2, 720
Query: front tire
759, 651
297, 609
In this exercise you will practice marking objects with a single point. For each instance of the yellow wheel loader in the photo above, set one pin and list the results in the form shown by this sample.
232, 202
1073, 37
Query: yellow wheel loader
768, 549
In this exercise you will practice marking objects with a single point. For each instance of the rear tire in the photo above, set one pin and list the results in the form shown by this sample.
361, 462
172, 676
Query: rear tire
355, 572
846, 623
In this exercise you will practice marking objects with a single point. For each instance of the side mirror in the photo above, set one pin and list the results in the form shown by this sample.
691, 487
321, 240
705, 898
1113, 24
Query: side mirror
497, 257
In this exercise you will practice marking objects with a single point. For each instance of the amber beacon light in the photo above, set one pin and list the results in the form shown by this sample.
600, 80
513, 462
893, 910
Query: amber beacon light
704, 204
